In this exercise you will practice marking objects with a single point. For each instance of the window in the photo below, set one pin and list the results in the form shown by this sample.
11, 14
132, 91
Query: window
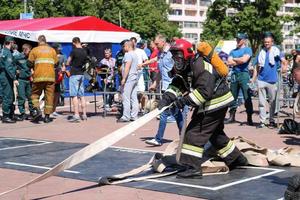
287, 27
288, 37
175, 12
289, 46
288, 9
190, 24
179, 24
289, 1
201, 13
190, 2
176, 1
205, 2
190, 12
281, 9
191, 36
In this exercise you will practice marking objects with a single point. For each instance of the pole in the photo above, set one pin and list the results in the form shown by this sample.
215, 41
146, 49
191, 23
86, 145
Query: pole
120, 19
25, 6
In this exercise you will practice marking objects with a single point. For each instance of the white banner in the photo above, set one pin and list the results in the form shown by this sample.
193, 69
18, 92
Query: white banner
63, 36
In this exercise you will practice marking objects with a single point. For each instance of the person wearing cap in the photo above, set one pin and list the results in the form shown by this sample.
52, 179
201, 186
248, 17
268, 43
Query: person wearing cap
43, 58
239, 59
143, 45
60, 69
7, 79
23, 81
269, 61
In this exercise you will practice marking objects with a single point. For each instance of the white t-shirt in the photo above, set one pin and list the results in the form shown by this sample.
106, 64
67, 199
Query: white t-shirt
142, 56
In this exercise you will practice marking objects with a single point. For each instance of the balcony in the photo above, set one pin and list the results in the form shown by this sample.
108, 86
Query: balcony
190, 12
190, 2
175, 1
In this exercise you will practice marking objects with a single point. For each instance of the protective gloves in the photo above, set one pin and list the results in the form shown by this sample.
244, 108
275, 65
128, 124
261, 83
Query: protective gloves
166, 100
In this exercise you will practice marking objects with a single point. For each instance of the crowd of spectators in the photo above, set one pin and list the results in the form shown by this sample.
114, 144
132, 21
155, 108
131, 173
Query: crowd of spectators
131, 75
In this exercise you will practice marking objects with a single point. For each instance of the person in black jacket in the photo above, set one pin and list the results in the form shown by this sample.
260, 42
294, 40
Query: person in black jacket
210, 96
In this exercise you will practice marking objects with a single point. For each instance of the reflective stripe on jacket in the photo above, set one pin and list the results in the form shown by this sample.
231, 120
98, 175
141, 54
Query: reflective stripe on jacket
43, 57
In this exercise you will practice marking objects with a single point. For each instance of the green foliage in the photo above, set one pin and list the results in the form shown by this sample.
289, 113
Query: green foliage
296, 19
253, 18
146, 17
10, 9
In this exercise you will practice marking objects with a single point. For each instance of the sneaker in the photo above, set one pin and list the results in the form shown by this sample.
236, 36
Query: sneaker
84, 117
122, 120
272, 125
133, 119
261, 125
55, 114
153, 142
74, 119
171, 119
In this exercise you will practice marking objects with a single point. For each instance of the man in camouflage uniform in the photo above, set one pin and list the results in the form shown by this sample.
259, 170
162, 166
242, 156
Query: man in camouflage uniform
7, 78
43, 57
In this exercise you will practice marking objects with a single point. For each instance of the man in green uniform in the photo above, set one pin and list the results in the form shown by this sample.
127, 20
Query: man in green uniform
23, 84
7, 78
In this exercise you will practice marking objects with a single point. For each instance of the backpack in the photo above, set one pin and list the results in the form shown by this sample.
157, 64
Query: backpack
289, 126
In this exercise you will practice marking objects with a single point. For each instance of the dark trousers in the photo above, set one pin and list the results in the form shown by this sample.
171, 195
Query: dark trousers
206, 127
48, 88
239, 81
24, 93
8, 96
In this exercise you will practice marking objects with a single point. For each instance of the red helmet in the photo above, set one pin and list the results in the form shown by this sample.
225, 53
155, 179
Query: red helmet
184, 46
182, 53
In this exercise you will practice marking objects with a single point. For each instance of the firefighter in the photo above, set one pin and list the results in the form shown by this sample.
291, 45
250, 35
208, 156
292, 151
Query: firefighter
43, 57
7, 78
210, 96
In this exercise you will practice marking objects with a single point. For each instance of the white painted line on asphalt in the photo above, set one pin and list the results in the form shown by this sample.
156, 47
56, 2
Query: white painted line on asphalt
273, 171
23, 139
180, 184
39, 167
248, 179
40, 142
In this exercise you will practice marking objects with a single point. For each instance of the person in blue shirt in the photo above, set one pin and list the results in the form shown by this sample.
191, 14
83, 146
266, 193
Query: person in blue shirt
165, 65
269, 61
239, 59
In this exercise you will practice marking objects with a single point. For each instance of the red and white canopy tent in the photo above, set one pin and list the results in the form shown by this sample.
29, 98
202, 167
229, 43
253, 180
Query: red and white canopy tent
63, 29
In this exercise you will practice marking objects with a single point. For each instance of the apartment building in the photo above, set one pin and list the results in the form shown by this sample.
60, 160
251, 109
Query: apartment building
290, 41
190, 15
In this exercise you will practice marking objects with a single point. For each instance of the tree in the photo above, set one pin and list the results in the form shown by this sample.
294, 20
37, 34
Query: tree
55, 8
10, 9
146, 17
296, 20
251, 17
